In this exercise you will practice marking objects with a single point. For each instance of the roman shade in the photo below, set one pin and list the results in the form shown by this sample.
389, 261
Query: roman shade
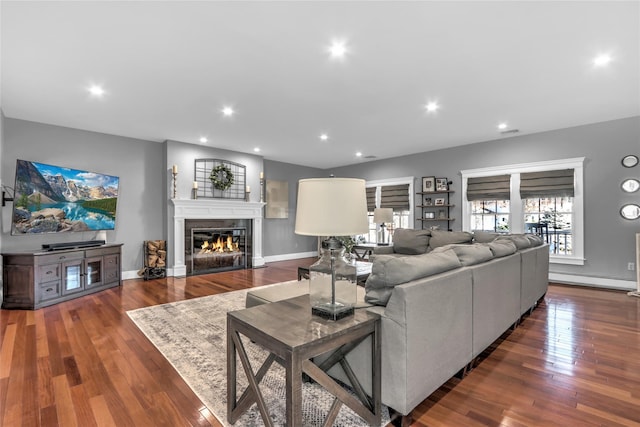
395, 197
371, 198
551, 183
495, 187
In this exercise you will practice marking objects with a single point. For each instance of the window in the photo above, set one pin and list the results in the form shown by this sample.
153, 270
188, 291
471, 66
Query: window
490, 215
543, 198
394, 193
551, 218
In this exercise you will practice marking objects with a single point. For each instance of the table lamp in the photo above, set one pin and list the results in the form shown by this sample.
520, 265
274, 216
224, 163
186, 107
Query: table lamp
332, 207
380, 216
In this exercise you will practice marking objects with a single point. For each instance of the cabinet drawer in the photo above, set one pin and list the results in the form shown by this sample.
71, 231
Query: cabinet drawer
111, 261
49, 291
47, 273
111, 275
59, 257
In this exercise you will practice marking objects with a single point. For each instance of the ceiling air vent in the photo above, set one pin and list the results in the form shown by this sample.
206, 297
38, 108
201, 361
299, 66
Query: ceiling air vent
510, 131
370, 157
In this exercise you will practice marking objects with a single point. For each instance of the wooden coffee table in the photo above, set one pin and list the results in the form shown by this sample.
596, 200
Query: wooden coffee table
293, 336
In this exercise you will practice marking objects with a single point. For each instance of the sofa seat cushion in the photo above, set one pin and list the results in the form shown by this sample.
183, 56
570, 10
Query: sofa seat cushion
442, 238
469, 254
411, 242
388, 271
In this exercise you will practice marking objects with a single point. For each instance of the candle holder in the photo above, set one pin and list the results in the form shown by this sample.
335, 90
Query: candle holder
246, 195
175, 183
194, 192
261, 189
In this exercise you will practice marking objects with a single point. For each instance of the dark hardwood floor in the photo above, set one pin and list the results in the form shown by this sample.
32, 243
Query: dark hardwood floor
575, 361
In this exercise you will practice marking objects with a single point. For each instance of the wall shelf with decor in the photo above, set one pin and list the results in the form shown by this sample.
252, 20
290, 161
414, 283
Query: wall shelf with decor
434, 203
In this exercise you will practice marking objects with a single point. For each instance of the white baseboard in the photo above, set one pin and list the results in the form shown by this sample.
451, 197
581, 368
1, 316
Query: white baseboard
286, 257
596, 282
133, 274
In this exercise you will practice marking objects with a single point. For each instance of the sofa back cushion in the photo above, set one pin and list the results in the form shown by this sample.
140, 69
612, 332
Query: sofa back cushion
411, 242
388, 271
501, 248
535, 240
468, 254
520, 240
442, 238
484, 236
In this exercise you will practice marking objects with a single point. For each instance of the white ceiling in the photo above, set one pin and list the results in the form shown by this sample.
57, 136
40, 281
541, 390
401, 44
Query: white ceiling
169, 66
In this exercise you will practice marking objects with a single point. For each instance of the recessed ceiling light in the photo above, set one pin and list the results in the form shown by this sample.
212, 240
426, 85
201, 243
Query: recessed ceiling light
203, 139
601, 60
324, 137
338, 49
358, 154
257, 149
502, 126
228, 111
432, 107
96, 90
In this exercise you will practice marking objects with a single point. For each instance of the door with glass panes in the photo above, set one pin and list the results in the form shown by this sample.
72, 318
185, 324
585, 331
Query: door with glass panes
78, 275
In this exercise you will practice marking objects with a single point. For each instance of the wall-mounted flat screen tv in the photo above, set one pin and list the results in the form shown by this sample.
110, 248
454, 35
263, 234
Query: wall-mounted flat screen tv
55, 199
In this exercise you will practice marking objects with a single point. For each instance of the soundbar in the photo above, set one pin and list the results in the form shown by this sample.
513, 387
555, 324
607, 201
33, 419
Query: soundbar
72, 245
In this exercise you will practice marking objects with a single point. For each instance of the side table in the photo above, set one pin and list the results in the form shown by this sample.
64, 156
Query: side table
293, 336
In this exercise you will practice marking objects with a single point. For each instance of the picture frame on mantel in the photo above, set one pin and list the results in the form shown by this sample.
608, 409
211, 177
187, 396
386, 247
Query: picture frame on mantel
428, 184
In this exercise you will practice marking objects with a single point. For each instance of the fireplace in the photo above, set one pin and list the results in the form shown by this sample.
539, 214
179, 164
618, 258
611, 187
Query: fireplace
217, 245
214, 214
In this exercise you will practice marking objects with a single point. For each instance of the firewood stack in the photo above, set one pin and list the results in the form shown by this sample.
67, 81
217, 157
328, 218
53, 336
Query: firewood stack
156, 254
155, 259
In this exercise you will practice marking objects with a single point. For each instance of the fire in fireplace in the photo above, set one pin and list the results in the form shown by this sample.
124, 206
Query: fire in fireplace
217, 249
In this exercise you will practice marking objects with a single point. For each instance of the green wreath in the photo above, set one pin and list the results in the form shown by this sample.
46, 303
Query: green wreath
221, 177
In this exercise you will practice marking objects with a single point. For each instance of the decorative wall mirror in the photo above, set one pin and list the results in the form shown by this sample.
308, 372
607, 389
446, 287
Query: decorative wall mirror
630, 185
629, 161
630, 211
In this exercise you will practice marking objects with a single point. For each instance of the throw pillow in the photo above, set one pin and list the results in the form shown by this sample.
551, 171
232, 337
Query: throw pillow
410, 242
442, 238
388, 271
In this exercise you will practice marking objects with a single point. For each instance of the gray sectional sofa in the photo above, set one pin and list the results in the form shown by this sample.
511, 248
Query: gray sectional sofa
462, 293
443, 298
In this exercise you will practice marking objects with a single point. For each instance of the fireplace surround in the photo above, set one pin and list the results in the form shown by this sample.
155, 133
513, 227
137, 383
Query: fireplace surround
219, 209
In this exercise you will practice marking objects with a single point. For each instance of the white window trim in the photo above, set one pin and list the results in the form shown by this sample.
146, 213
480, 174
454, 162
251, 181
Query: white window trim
515, 215
395, 181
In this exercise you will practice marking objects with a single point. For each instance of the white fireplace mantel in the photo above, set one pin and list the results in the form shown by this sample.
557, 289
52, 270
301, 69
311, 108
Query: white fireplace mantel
214, 209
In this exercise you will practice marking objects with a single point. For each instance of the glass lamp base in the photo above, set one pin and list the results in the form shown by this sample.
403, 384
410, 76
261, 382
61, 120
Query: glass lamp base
330, 311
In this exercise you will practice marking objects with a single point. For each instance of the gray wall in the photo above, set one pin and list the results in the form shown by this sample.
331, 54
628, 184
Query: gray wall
609, 239
279, 236
140, 213
144, 171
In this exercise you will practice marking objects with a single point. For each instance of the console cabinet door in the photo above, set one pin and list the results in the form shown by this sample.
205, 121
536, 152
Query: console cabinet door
72, 277
94, 272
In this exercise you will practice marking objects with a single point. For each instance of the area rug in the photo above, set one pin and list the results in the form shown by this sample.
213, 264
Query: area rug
191, 335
